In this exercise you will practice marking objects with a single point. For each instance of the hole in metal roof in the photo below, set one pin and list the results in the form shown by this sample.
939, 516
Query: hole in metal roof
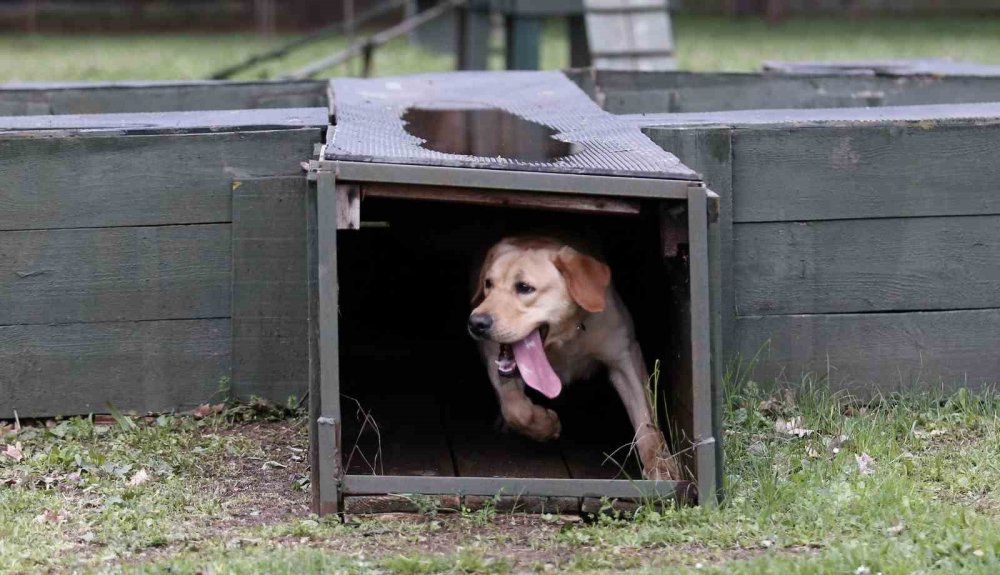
485, 132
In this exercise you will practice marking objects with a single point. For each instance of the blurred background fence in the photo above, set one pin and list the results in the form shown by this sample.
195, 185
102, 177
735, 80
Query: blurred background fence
270, 16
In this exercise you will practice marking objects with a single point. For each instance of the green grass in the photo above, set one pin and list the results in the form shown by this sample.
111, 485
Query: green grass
703, 43
896, 485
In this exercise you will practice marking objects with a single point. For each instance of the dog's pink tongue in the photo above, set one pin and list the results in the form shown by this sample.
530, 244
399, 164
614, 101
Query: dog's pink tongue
534, 366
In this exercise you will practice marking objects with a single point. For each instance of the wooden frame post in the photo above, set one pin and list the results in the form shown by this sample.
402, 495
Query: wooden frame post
324, 360
701, 344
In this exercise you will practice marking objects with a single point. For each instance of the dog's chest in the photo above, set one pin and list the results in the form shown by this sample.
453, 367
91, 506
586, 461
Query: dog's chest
571, 362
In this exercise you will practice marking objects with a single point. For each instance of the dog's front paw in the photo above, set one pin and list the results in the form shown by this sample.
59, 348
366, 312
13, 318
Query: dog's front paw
551, 427
534, 421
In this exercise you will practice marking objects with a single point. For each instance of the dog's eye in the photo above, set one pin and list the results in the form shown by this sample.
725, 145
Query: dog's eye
523, 288
488, 284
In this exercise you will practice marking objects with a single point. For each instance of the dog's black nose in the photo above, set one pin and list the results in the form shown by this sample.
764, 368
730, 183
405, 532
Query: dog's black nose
480, 323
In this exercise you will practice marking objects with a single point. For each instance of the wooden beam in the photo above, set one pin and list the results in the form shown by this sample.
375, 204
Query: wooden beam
348, 206
501, 198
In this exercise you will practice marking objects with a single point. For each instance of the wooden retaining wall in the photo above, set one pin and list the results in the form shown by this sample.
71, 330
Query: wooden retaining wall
859, 245
132, 272
659, 92
35, 99
138, 247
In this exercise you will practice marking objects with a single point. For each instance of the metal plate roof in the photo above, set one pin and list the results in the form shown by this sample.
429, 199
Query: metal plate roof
370, 126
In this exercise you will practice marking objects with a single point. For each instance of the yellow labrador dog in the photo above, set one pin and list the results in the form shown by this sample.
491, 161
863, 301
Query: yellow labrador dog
546, 315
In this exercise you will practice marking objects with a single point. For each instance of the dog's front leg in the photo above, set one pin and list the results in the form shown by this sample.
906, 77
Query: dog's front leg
520, 413
535, 421
628, 375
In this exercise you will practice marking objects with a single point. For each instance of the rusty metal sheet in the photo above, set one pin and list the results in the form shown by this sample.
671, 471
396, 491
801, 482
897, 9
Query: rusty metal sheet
372, 118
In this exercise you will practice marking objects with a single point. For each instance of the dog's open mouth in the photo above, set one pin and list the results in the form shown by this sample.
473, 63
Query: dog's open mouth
527, 358
506, 364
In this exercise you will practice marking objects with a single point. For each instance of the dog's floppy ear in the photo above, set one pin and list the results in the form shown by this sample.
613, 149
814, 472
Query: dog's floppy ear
478, 290
586, 278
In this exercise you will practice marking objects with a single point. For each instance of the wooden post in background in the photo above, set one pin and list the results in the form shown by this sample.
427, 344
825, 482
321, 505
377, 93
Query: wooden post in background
264, 15
31, 16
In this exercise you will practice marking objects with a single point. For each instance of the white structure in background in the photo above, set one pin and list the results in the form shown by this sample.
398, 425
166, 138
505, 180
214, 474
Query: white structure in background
630, 34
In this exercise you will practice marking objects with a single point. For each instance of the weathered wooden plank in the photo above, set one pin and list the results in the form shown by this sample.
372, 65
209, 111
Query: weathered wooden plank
270, 296
327, 317
168, 122
867, 265
886, 352
137, 180
918, 67
405, 436
657, 92
708, 151
348, 207
483, 451
124, 97
114, 274
82, 367
927, 117
928, 169
479, 197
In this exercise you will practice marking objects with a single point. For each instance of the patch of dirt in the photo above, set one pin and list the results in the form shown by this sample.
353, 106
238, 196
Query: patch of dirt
258, 488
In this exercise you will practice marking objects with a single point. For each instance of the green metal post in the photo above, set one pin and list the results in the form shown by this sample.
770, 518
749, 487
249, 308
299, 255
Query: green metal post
473, 35
524, 35
579, 50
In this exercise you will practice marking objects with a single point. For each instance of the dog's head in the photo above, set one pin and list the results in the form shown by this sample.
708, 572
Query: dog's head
529, 284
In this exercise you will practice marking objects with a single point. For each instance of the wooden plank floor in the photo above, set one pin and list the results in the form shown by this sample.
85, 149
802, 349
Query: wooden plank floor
399, 435
481, 449
419, 434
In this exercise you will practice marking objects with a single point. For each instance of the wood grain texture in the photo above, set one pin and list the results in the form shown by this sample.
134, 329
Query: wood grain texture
153, 123
708, 151
348, 207
80, 368
270, 304
886, 352
481, 450
657, 92
115, 274
863, 171
125, 97
137, 180
501, 198
405, 436
868, 265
